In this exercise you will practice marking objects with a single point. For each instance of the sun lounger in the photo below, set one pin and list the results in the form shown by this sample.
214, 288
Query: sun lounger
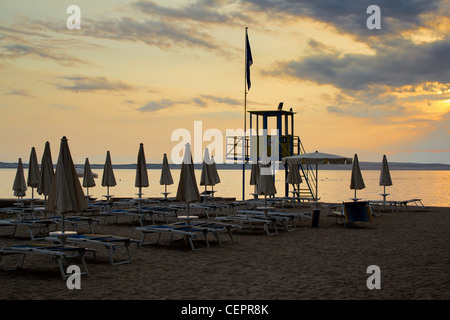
286, 219
377, 205
134, 213
59, 252
165, 211
111, 243
395, 204
80, 221
214, 227
248, 220
186, 232
207, 207
31, 224
417, 202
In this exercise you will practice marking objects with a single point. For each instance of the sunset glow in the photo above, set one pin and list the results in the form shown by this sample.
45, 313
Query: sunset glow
138, 70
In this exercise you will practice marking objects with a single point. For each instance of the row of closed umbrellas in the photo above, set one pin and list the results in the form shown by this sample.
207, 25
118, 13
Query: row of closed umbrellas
64, 190
187, 189
43, 178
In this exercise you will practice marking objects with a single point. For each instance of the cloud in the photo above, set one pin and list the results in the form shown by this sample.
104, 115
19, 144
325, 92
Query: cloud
386, 83
20, 92
203, 100
157, 105
201, 11
18, 50
87, 84
350, 16
394, 64
152, 32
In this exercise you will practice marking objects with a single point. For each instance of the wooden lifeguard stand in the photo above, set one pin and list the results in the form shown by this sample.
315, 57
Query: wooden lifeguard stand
261, 126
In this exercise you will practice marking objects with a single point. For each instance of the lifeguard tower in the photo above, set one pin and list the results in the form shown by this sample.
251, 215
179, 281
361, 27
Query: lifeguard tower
262, 123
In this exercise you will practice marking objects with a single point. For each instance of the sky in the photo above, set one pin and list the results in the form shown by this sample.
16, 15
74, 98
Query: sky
143, 71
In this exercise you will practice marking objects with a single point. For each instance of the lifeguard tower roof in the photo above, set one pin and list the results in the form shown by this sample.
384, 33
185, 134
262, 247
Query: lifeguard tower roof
271, 112
279, 111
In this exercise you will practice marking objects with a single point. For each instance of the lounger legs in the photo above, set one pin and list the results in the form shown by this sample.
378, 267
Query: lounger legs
111, 250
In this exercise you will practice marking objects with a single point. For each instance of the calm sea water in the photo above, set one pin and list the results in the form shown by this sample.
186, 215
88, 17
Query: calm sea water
433, 187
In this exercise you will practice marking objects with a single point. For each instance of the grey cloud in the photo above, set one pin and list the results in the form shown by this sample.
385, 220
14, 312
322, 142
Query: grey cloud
151, 32
20, 92
396, 66
350, 16
205, 99
157, 105
17, 50
208, 11
202, 101
84, 84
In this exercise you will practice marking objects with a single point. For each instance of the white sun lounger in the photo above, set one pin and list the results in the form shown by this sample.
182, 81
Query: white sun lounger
244, 220
111, 243
189, 233
59, 252
31, 224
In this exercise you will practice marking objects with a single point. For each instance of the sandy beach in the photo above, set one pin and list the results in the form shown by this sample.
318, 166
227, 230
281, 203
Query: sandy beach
324, 263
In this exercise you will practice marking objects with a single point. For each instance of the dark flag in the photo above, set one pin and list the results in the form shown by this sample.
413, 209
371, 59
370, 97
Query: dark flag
248, 59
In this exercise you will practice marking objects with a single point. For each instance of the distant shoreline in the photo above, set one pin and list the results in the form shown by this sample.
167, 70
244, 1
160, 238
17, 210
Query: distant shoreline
363, 166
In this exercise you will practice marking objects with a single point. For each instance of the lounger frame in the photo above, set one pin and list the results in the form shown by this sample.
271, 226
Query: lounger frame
59, 252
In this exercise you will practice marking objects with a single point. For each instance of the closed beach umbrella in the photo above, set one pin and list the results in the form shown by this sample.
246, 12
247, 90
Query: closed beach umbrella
316, 158
88, 177
19, 185
166, 175
266, 185
385, 176
207, 178
214, 174
293, 176
33, 172
254, 177
141, 171
214, 170
66, 194
108, 179
187, 186
357, 181
46, 173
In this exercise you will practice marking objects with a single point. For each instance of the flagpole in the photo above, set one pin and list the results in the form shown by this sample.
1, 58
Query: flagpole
245, 117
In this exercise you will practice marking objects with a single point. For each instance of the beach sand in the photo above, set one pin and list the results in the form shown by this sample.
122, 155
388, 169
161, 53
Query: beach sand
411, 248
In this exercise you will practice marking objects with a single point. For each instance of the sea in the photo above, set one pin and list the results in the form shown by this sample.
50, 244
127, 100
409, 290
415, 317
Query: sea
433, 187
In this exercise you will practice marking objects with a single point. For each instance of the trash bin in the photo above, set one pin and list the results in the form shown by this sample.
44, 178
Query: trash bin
315, 218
